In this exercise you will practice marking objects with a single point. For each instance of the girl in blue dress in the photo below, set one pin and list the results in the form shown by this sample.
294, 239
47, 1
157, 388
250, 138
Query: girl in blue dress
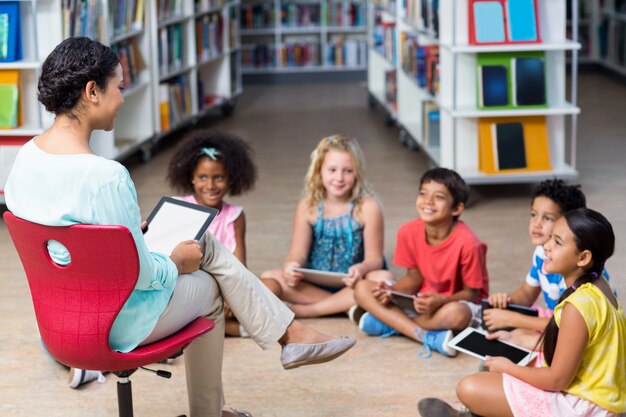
338, 227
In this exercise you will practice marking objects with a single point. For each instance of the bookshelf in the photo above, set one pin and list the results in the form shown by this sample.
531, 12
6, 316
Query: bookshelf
303, 36
33, 15
197, 60
439, 94
181, 59
608, 41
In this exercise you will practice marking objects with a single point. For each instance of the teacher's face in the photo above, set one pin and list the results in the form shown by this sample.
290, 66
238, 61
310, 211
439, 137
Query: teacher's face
112, 100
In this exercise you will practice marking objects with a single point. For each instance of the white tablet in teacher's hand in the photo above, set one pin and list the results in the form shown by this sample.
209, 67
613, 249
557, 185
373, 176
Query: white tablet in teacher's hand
173, 221
474, 343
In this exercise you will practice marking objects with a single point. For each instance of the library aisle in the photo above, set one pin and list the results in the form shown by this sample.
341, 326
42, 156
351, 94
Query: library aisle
381, 378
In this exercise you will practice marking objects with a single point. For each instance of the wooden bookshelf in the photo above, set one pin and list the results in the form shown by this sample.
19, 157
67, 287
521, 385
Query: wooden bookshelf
436, 66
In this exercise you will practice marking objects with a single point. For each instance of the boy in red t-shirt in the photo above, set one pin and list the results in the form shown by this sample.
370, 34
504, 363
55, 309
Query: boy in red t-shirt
446, 270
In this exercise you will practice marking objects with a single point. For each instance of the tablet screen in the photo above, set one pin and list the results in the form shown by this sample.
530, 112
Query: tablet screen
477, 343
173, 221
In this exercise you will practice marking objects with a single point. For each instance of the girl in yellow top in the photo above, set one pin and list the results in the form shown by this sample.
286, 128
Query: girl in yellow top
584, 374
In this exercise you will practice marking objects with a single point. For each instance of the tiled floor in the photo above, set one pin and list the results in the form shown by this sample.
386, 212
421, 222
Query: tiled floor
378, 378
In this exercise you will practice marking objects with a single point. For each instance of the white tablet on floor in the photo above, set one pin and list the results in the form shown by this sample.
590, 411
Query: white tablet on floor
474, 343
325, 278
173, 221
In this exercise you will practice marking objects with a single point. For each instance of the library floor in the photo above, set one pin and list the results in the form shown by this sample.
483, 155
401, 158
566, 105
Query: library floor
379, 377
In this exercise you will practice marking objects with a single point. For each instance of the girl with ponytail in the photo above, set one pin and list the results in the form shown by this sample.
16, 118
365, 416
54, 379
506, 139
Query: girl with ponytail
584, 344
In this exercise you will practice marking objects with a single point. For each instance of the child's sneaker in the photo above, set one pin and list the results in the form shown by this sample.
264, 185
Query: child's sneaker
355, 313
79, 377
437, 340
374, 327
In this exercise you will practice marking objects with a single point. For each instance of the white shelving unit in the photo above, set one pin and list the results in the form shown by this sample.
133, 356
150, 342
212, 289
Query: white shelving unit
457, 147
36, 44
319, 37
138, 125
201, 38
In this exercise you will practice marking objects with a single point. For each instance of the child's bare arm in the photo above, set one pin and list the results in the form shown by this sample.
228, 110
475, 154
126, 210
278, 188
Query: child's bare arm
495, 318
240, 238
410, 282
570, 347
300, 244
371, 217
525, 295
429, 303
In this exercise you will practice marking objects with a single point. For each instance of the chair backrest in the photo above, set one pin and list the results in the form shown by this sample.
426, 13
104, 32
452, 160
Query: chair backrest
76, 305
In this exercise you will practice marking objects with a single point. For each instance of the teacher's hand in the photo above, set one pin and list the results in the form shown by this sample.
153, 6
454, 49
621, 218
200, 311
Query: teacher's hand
187, 255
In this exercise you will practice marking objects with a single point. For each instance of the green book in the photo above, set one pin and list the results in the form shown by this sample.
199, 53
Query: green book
9, 94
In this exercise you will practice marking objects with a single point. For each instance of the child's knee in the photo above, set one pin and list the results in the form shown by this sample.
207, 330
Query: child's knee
379, 276
467, 388
273, 285
458, 315
363, 290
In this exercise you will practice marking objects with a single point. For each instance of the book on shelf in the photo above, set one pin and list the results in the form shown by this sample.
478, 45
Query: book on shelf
126, 15
83, 18
511, 80
170, 48
298, 53
508, 146
391, 89
204, 5
169, 8
503, 21
346, 52
10, 31
209, 39
296, 14
513, 144
420, 62
431, 124
423, 14
257, 16
164, 107
10, 115
344, 13
131, 60
258, 55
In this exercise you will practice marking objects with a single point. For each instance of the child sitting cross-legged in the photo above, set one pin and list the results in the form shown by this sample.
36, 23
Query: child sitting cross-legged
550, 200
445, 270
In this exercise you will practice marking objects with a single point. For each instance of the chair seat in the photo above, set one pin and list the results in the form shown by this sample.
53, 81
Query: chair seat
154, 352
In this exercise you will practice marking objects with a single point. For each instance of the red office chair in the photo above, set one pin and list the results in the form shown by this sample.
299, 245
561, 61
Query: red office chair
76, 305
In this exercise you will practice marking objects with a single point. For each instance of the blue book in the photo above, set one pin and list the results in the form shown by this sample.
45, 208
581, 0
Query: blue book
522, 20
489, 22
10, 31
494, 85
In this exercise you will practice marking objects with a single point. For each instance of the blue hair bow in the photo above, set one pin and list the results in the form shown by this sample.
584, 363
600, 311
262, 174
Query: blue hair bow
211, 153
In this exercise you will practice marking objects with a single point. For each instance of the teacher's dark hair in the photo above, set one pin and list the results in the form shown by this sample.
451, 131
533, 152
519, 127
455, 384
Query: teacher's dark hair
68, 69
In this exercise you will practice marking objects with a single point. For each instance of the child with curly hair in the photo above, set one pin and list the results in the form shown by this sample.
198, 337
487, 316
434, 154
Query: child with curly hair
208, 166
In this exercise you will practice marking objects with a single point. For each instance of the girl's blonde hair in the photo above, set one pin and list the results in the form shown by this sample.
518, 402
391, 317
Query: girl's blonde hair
314, 190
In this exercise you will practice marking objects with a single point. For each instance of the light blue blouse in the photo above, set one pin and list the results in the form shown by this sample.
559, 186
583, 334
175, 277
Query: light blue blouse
61, 190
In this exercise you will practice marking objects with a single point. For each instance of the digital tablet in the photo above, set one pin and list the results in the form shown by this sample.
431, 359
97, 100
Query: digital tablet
528, 311
173, 221
325, 278
402, 299
473, 342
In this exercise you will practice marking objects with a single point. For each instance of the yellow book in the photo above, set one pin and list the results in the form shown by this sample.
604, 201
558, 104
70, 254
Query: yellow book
164, 107
532, 154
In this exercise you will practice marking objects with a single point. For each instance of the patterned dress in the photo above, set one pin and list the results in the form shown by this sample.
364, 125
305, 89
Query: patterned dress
337, 241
